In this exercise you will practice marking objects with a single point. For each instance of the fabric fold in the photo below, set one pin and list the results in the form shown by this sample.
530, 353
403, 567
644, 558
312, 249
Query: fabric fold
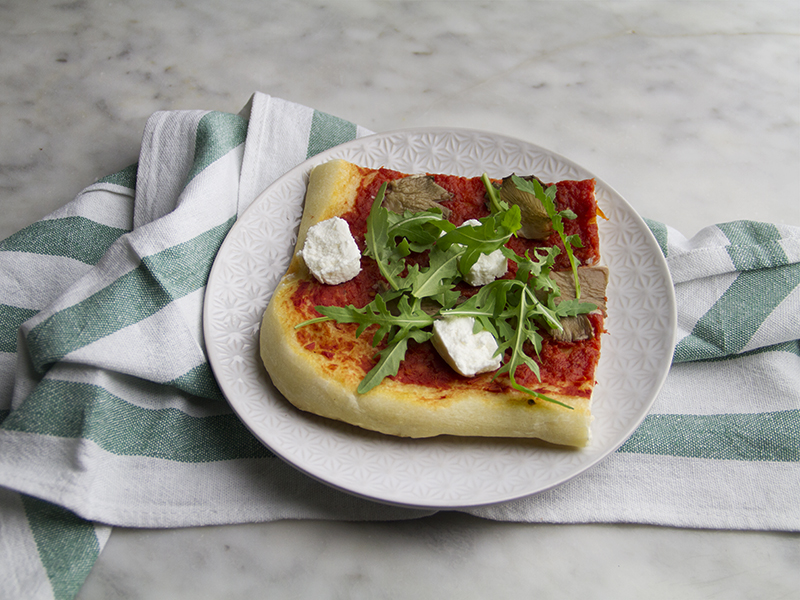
737, 285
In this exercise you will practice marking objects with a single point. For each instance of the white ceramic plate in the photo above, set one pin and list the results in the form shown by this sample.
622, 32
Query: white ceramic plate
444, 472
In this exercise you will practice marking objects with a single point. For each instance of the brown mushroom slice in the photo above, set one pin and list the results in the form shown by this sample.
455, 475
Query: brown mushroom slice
594, 281
575, 329
536, 224
416, 193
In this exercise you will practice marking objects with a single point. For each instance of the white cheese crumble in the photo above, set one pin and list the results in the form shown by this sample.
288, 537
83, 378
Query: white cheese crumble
330, 252
488, 267
467, 352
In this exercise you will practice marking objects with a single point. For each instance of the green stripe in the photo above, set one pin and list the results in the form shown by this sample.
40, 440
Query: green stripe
184, 268
80, 410
126, 177
729, 325
78, 238
660, 232
199, 381
750, 232
67, 545
159, 279
754, 245
792, 347
328, 131
773, 437
217, 134
3, 414
11, 317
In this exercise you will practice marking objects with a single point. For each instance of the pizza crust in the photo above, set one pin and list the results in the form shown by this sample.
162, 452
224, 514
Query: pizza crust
325, 384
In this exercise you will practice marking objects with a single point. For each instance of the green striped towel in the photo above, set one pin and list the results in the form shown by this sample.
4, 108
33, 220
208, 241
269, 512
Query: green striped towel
110, 415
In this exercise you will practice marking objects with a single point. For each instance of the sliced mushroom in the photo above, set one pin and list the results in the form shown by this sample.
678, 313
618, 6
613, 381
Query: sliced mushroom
536, 224
416, 193
576, 328
593, 280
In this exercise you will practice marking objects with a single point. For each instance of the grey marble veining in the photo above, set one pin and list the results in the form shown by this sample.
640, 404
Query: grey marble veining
691, 110
682, 107
445, 556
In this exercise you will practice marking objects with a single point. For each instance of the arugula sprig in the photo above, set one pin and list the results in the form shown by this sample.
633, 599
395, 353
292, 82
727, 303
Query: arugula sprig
547, 198
513, 310
492, 234
421, 230
496, 205
398, 327
388, 256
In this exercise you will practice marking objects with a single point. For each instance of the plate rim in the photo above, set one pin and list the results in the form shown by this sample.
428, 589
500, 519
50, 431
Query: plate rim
301, 171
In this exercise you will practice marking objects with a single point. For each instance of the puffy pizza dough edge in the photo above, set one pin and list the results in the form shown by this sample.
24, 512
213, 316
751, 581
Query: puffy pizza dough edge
402, 410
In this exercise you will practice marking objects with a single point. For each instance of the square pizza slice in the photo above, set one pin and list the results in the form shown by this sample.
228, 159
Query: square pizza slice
420, 305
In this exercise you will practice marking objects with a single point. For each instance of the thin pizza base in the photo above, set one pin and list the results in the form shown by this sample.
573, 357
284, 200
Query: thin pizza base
324, 383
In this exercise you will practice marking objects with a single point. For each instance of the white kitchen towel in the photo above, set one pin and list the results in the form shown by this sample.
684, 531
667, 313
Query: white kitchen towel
721, 445
111, 415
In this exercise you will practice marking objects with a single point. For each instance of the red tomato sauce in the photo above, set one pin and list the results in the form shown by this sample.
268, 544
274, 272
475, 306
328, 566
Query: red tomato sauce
559, 362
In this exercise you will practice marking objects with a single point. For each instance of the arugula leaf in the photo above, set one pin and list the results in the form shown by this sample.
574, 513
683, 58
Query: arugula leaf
407, 322
515, 342
388, 256
411, 316
390, 359
440, 275
492, 234
495, 204
421, 229
574, 307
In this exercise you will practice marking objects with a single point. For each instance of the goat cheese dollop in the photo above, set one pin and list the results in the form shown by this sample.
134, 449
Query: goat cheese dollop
330, 252
467, 352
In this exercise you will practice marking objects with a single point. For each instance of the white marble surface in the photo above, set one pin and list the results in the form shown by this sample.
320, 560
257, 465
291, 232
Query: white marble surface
691, 110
